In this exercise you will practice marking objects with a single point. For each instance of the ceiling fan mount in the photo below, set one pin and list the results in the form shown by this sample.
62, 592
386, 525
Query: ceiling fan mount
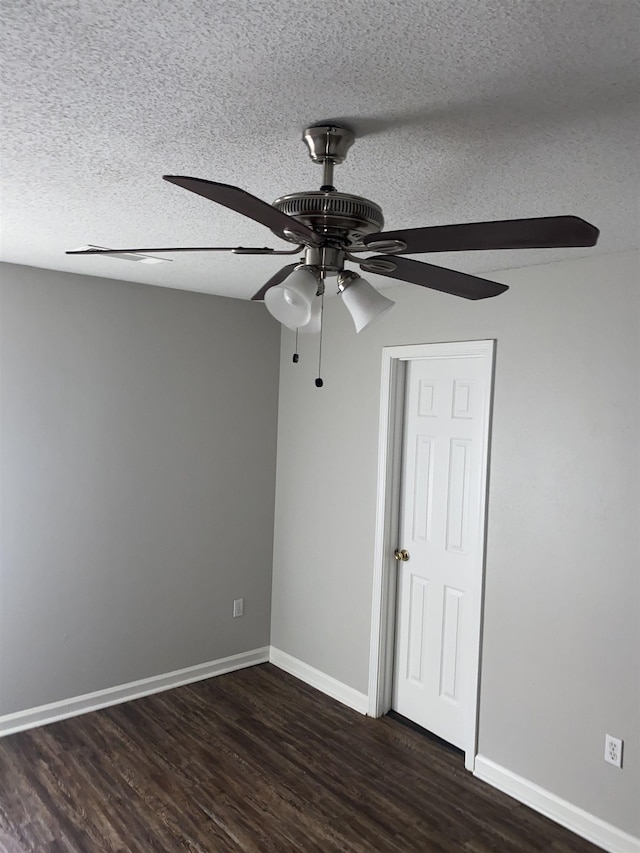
328, 143
343, 219
332, 228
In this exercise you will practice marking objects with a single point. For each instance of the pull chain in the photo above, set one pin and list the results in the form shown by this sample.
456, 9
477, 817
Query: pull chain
296, 357
319, 382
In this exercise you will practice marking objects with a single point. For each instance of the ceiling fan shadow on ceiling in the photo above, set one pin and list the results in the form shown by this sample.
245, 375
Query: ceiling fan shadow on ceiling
331, 228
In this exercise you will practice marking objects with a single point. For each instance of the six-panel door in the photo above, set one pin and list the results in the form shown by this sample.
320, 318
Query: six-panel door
441, 519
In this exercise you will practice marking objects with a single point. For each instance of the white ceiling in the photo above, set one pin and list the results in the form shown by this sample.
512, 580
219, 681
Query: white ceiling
464, 111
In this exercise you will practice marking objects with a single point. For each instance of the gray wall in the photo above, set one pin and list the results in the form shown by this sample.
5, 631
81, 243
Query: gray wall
138, 465
561, 655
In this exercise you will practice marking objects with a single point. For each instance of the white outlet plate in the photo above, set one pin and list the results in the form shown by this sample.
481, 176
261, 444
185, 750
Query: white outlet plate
613, 750
238, 607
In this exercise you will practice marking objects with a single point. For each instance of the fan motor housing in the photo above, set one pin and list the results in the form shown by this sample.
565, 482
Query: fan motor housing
340, 215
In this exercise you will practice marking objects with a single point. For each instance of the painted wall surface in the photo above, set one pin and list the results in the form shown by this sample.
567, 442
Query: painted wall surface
138, 465
561, 657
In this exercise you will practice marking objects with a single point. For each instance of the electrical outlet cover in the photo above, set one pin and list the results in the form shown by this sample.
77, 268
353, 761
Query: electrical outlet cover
613, 750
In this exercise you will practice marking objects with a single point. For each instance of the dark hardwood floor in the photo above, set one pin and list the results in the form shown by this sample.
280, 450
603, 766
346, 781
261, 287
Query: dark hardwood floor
254, 761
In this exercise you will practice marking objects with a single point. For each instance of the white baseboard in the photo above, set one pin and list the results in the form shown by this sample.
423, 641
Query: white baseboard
320, 680
566, 814
40, 716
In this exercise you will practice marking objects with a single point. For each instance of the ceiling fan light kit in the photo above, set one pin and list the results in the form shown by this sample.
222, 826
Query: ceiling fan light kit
362, 301
332, 228
291, 302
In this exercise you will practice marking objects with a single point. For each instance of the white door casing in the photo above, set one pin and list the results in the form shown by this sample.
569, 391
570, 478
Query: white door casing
441, 482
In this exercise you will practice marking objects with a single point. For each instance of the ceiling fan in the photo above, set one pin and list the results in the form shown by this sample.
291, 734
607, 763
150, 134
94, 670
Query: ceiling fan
331, 228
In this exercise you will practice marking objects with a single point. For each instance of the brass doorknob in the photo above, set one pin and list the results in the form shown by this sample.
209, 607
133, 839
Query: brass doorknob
401, 556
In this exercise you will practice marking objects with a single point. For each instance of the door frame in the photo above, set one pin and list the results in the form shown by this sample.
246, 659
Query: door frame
383, 614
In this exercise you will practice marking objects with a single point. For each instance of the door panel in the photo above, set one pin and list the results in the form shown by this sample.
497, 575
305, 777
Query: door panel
441, 525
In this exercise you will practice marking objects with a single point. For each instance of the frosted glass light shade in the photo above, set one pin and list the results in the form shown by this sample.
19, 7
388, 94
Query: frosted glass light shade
364, 303
291, 302
313, 326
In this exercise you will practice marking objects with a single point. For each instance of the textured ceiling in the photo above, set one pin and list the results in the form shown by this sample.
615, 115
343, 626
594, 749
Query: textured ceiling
464, 111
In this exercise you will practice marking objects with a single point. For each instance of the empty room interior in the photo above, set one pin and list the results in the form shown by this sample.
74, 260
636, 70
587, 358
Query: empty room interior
320, 426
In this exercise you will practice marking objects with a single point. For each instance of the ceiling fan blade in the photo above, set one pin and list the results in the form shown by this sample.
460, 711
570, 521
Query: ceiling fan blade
248, 205
546, 232
237, 250
437, 278
279, 277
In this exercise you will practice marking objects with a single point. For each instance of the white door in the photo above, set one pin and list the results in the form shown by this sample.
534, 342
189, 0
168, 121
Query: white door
443, 490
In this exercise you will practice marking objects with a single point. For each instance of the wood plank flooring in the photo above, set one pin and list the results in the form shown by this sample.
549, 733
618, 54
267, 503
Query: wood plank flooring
251, 761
